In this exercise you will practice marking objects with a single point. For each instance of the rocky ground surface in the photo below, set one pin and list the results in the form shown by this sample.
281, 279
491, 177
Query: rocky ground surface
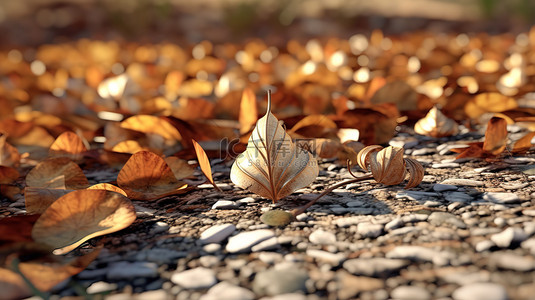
467, 232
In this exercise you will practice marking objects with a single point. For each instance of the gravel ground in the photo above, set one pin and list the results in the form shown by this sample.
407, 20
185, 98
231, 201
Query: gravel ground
466, 232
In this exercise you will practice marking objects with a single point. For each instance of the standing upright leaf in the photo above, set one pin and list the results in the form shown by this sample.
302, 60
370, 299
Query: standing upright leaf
273, 166
204, 163
248, 111
496, 136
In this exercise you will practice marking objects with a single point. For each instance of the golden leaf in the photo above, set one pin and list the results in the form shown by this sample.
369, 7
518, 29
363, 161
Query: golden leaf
495, 136
272, 166
68, 144
9, 155
37, 200
81, 215
54, 173
204, 163
248, 111
436, 124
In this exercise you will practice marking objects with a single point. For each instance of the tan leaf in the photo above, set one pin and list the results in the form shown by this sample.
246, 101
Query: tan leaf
37, 200
152, 124
146, 176
524, 143
68, 144
107, 187
495, 136
8, 175
489, 102
272, 166
9, 155
248, 111
313, 126
387, 166
80, 216
363, 157
436, 124
180, 167
416, 171
59, 172
204, 163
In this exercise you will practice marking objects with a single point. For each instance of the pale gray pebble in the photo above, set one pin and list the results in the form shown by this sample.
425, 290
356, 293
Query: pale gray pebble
501, 197
280, 281
160, 255
404, 230
458, 197
529, 212
225, 204
484, 245
124, 270
198, 278
448, 165
466, 277
410, 293
322, 237
420, 253
90, 274
509, 236
500, 222
462, 181
160, 227
415, 195
514, 185
100, 287
432, 203
423, 151
217, 233
414, 218
289, 296
211, 248
243, 241
512, 261
438, 218
269, 244
530, 245
209, 261
227, 291
369, 230
270, 257
333, 259
437, 187
348, 221
480, 291
394, 224
375, 266
246, 200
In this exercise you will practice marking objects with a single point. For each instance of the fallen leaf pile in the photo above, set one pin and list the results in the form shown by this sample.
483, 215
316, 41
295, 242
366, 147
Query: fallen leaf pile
142, 111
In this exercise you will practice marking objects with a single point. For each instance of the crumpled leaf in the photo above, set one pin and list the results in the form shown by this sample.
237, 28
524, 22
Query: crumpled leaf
494, 144
436, 124
389, 167
57, 173
146, 176
273, 166
81, 215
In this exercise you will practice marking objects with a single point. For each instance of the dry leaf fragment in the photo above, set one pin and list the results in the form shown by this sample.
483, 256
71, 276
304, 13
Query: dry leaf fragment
81, 215
524, 143
248, 111
152, 124
68, 144
273, 166
16, 228
389, 167
107, 187
436, 124
37, 199
204, 163
146, 176
495, 136
9, 155
180, 167
59, 172
8, 175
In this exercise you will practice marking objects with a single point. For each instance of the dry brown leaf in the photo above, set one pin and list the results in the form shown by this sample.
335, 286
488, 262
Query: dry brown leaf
389, 167
12, 285
146, 176
327, 148
495, 136
16, 229
107, 187
248, 111
524, 143
9, 155
129, 146
37, 200
8, 175
436, 124
489, 102
54, 173
180, 167
81, 215
377, 124
272, 166
68, 144
152, 124
204, 163
398, 92
313, 126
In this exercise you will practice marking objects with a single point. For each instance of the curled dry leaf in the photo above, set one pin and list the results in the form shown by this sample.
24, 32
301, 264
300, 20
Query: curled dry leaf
436, 124
57, 173
81, 215
9, 155
37, 200
389, 167
146, 176
273, 166
68, 144
204, 163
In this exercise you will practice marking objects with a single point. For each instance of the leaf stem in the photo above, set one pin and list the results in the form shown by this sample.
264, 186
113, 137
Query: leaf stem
303, 208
